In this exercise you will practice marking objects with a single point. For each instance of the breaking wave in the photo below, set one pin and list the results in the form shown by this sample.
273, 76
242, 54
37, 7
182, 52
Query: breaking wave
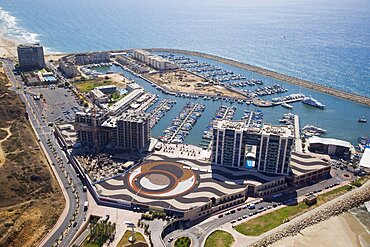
9, 27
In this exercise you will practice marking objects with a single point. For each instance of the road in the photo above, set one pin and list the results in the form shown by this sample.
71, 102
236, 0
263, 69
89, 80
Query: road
62, 233
199, 232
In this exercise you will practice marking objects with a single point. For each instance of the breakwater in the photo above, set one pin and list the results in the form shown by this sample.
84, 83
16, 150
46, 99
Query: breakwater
293, 80
343, 204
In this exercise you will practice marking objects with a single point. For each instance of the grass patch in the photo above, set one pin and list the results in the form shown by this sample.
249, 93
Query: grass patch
182, 242
332, 194
219, 238
87, 244
140, 240
359, 182
88, 85
267, 222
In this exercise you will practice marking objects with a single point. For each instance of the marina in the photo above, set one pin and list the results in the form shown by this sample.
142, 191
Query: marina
253, 118
308, 115
160, 110
310, 130
223, 113
182, 124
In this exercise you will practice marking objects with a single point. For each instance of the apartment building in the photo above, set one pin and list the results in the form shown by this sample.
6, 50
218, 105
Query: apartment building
266, 148
31, 57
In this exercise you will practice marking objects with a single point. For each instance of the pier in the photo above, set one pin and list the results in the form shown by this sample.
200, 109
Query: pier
159, 112
223, 113
297, 135
184, 121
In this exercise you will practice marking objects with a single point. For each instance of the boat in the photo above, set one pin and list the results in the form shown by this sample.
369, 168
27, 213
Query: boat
312, 102
286, 105
362, 120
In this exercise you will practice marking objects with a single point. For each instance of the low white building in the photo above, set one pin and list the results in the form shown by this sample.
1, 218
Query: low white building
365, 160
68, 68
99, 96
154, 61
330, 146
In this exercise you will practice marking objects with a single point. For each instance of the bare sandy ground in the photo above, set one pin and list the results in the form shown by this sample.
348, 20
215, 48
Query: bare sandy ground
2, 154
8, 47
340, 231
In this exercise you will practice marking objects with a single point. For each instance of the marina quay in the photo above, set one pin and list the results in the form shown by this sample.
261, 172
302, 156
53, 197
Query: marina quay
198, 141
240, 156
266, 156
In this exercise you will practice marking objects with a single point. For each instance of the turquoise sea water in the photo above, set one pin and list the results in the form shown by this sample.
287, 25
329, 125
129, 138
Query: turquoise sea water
324, 41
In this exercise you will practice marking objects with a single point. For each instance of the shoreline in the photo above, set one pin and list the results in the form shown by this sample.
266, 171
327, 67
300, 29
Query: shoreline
286, 78
345, 228
8, 48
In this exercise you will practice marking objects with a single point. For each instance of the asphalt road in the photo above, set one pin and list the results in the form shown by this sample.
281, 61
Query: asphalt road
58, 158
199, 232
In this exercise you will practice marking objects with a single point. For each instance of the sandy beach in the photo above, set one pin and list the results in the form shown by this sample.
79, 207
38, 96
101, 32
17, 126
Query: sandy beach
339, 231
8, 47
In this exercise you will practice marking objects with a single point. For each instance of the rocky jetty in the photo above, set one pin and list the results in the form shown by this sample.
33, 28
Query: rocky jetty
346, 202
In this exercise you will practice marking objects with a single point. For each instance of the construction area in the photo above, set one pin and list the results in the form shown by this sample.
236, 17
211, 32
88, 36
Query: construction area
102, 166
182, 81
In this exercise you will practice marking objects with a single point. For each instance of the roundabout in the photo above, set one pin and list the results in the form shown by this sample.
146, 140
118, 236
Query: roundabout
161, 179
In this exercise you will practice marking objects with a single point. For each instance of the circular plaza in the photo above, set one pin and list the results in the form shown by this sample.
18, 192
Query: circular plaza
161, 179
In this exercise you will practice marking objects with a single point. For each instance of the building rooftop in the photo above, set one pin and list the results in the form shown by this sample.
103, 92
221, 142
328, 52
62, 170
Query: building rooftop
97, 93
329, 141
29, 45
111, 122
284, 131
177, 184
265, 129
137, 117
302, 163
365, 160
126, 100
144, 52
106, 87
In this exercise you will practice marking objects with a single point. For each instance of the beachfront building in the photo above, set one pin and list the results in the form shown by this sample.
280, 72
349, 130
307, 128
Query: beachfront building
92, 57
133, 131
31, 57
265, 148
68, 69
154, 61
333, 147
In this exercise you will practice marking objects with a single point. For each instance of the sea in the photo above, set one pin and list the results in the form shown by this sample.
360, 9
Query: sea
323, 41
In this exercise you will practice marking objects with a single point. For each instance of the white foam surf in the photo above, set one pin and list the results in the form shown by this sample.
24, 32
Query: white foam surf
10, 28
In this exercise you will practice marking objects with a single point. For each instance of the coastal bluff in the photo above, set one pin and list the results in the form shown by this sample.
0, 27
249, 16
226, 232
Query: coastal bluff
289, 79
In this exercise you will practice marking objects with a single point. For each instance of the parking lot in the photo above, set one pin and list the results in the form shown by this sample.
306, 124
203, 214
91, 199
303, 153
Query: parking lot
56, 105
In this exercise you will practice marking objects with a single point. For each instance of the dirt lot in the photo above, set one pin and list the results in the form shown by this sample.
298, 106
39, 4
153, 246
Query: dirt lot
30, 199
186, 82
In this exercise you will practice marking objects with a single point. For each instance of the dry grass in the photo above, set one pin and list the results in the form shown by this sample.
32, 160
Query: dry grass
30, 198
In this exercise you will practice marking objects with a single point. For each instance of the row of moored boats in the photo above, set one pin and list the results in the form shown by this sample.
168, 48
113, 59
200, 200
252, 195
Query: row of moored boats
182, 124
